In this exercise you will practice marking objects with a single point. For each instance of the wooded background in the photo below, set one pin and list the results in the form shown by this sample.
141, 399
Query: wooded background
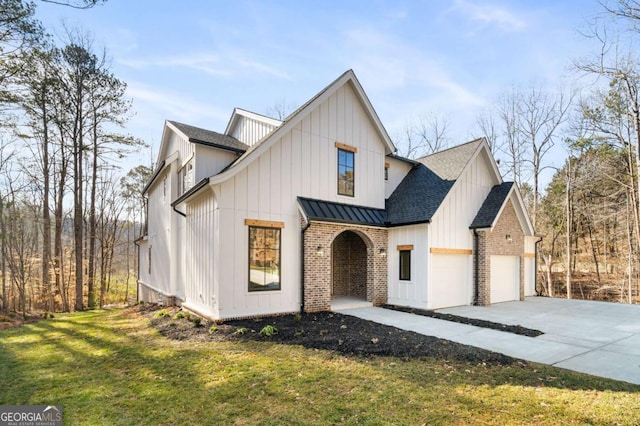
69, 215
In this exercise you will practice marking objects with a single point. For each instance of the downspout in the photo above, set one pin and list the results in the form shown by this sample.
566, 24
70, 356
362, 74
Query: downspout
179, 212
476, 267
535, 267
302, 232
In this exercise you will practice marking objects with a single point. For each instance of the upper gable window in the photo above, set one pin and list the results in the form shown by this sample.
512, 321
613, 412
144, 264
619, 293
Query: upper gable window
185, 177
346, 172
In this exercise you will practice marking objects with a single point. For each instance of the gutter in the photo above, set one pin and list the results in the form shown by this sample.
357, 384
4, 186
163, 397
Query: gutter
195, 188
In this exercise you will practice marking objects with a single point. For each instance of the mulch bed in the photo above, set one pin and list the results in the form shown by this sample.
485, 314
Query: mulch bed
515, 329
344, 334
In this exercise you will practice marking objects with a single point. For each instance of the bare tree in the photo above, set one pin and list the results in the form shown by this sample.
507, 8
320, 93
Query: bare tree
424, 136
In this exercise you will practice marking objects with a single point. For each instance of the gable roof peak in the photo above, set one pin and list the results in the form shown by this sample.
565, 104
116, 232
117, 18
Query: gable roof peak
449, 163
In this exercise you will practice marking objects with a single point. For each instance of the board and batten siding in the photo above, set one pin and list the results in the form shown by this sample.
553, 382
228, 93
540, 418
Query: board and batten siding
450, 225
185, 149
200, 254
397, 171
158, 233
250, 131
211, 161
302, 162
413, 292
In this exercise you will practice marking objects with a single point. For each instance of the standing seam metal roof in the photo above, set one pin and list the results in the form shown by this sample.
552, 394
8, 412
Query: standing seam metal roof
327, 211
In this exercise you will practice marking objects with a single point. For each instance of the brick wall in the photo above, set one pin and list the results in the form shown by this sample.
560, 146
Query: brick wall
495, 243
349, 264
318, 268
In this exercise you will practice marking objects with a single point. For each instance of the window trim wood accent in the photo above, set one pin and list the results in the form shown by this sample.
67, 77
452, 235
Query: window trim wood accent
264, 223
530, 255
404, 247
345, 147
438, 250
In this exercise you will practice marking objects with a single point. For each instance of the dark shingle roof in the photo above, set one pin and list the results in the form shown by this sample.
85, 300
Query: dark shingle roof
491, 207
448, 164
211, 138
326, 211
417, 197
425, 187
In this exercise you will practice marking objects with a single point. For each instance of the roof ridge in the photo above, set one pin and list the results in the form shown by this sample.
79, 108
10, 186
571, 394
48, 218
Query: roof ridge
477, 140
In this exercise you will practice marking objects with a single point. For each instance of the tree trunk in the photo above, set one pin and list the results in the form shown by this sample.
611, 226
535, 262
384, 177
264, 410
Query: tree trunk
568, 230
78, 210
92, 220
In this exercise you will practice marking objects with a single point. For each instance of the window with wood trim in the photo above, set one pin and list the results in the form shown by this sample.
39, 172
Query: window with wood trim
345, 172
405, 264
264, 258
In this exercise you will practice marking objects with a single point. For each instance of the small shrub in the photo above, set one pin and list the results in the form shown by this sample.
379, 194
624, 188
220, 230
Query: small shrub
196, 320
268, 330
241, 331
213, 329
179, 315
161, 314
298, 319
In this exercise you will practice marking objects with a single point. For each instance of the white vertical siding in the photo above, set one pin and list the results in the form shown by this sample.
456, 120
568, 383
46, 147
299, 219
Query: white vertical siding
184, 148
451, 222
303, 162
250, 131
200, 258
414, 292
211, 161
397, 171
158, 232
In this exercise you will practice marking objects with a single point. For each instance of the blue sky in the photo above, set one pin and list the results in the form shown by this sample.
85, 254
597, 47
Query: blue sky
194, 61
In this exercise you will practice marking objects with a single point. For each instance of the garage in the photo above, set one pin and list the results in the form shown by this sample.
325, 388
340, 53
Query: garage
451, 280
505, 278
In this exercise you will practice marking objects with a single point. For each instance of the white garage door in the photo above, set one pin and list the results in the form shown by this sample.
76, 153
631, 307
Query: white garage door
450, 278
505, 278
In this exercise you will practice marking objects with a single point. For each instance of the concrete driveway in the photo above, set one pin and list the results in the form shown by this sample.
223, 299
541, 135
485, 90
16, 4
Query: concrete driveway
598, 338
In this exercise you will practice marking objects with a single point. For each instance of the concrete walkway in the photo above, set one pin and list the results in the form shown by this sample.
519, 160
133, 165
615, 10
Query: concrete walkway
598, 338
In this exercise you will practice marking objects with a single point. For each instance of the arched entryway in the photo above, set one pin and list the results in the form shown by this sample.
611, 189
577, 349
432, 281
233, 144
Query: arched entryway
349, 266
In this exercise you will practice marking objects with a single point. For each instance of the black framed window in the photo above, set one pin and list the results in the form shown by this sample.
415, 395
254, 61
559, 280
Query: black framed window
345, 172
405, 265
264, 258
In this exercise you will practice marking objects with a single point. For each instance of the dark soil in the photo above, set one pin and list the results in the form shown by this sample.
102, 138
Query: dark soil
515, 329
326, 330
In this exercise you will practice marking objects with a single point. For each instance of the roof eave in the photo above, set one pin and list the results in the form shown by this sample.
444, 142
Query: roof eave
191, 192
218, 146
154, 177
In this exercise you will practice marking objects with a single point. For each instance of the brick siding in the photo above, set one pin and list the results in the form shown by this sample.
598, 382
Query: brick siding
339, 268
495, 243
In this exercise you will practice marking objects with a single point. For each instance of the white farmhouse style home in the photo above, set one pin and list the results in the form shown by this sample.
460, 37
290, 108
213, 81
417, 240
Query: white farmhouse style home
277, 216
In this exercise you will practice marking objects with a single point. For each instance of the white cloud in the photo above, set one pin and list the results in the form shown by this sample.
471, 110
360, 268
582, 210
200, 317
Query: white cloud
490, 15
225, 64
176, 106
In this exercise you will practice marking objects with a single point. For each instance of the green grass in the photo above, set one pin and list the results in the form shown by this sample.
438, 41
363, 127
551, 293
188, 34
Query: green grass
110, 367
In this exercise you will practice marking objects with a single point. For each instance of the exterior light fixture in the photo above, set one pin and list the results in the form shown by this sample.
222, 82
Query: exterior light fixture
383, 252
320, 251
508, 238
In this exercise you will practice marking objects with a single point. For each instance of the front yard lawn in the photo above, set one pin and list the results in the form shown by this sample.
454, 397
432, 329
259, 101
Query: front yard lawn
113, 367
